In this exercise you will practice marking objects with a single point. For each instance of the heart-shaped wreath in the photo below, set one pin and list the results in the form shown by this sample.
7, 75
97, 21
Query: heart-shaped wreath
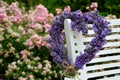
79, 23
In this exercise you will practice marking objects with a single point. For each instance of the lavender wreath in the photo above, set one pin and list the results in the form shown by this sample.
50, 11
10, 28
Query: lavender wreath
79, 22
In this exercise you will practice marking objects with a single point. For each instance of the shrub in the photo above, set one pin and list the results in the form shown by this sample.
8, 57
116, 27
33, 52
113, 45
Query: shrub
24, 52
105, 6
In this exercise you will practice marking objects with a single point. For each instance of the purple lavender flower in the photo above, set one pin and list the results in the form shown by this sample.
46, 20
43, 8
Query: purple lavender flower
79, 22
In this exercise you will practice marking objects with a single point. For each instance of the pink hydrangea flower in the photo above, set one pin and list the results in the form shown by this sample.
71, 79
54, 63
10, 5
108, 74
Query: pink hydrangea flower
38, 43
24, 56
22, 52
41, 13
42, 9
23, 79
39, 18
51, 16
87, 7
34, 37
30, 43
37, 40
67, 8
16, 13
2, 16
94, 5
44, 43
39, 27
58, 11
39, 66
47, 27
31, 76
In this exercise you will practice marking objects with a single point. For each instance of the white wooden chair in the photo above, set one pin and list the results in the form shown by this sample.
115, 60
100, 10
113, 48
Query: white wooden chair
106, 65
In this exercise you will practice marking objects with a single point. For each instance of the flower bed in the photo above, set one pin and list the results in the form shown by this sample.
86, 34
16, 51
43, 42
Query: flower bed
24, 52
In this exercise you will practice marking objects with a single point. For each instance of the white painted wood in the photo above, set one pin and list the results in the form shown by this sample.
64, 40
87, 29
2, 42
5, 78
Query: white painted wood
102, 59
69, 40
110, 44
90, 32
66, 78
96, 74
111, 78
102, 66
109, 51
79, 39
114, 36
110, 37
73, 41
115, 30
114, 22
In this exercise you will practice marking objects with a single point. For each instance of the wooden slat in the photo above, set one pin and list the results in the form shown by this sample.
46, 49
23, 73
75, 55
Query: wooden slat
90, 32
109, 72
111, 78
110, 37
114, 22
102, 66
109, 51
66, 78
114, 36
110, 44
102, 59
115, 30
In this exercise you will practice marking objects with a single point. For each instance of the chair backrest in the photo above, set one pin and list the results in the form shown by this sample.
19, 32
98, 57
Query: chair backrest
106, 65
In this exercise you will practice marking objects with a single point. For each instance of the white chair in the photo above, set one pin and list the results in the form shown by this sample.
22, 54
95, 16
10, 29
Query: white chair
106, 65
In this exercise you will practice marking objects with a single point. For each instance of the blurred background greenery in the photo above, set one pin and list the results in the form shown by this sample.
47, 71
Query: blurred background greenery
105, 7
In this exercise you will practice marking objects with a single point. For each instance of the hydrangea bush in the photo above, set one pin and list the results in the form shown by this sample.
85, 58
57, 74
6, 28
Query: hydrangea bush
24, 53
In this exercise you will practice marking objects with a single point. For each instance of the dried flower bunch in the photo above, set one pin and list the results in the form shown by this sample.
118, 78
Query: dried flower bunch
79, 23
